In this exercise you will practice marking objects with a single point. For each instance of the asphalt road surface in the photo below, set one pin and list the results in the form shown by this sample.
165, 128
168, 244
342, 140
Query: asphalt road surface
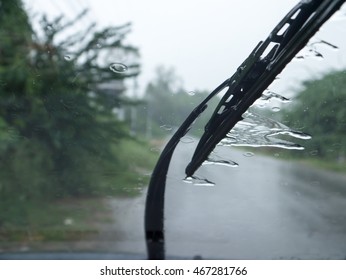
266, 208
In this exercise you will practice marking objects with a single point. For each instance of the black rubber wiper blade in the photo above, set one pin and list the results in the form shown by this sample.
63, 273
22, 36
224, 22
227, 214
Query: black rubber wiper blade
260, 69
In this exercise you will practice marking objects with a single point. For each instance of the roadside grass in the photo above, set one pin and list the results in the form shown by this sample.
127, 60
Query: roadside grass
313, 161
75, 219
63, 220
138, 154
137, 159
324, 164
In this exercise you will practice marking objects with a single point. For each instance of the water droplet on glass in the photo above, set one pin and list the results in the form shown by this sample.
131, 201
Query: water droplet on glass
260, 105
188, 180
248, 154
166, 127
310, 50
67, 57
276, 155
267, 96
223, 162
196, 181
50, 27
295, 134
187, 140
191, 93
325, 43
99, 46
317, 54
118, 68
154, 149
276, 109
314, 153
273, 95
259, 131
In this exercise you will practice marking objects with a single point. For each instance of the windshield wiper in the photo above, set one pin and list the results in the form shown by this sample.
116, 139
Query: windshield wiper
246, 85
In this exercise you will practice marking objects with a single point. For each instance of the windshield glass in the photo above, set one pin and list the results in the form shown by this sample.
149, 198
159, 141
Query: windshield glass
91, 91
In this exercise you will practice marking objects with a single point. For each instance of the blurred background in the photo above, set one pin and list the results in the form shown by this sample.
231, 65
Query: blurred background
91, 91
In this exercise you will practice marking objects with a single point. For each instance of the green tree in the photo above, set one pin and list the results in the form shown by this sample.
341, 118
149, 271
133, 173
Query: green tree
320, 110
58, 130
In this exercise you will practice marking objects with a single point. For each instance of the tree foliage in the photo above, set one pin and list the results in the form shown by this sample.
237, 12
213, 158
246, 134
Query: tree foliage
320, 110
58, 130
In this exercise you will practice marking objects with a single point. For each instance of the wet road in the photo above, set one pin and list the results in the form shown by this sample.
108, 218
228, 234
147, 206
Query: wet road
264, 209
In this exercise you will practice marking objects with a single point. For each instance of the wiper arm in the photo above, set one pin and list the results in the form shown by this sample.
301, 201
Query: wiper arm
259, 70
253, 76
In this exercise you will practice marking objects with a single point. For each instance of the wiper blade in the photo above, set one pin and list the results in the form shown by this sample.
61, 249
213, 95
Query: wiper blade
254, 75
259, 70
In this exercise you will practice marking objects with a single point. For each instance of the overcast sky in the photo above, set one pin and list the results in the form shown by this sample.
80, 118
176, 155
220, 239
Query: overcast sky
204, 40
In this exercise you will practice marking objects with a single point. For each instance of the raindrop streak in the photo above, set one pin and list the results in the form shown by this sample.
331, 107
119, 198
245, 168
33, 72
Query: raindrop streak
259, 131
276, 109
222, 162
196, 181
317, 54
322, 42
118, 68
310, 51
268, 96
191, 93
292, 133
248, 154
166, 127
67, 57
